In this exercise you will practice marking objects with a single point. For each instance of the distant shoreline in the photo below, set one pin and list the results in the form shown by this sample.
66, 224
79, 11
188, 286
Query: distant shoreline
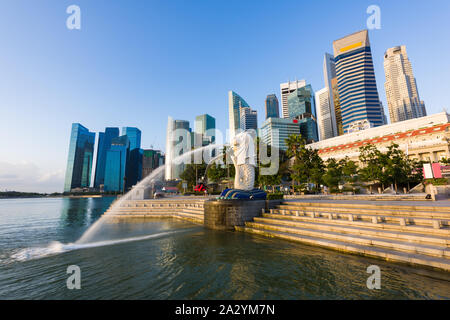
30, 195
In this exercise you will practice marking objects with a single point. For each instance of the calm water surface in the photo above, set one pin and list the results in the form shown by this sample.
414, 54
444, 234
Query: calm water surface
177, 260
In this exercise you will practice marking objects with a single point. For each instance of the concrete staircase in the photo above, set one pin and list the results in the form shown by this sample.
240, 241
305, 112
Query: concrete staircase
184, 209
418, 235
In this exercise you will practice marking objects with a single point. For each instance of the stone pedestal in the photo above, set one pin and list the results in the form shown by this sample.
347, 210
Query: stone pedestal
225, 214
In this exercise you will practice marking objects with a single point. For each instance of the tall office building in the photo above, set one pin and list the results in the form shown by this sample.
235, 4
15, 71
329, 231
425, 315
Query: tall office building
116, 164
275, 131
151, 160
249, 119
272, 107
205, 129
134, 135
301, 107
337, 106
235, 102
103, 145
176, 144
324, 119
401, 89
358, 94
331, 112
79, 162
286, 89
134, 163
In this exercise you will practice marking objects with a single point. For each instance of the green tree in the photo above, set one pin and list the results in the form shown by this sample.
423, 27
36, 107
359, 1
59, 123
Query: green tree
372, 165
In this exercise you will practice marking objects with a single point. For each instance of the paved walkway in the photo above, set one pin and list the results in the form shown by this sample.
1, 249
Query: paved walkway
439, 203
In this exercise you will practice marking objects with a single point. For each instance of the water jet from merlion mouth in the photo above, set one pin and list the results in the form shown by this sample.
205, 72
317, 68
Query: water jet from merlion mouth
148, 182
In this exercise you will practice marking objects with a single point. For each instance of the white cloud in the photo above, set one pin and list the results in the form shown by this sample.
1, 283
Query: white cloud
27, 176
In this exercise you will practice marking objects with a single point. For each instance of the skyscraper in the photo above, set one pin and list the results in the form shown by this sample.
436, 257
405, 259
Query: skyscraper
275, 131
401, 89
116, 163
357, 87
272, 107
152, 159
331, 112
178, 140
205, 127
301, 107
234, 103
104, 144
134, 162
249, 119
324, 119
79, 162
286, 89
134, 135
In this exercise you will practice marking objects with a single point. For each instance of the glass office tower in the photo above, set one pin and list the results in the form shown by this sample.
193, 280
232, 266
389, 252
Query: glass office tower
358, 94
104, 144
116, 163
134, 136
272, 107
301, 107
205, 126
79, 163
235, 102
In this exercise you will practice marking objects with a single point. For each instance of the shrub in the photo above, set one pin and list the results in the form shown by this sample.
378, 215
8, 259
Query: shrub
275, 196
436, 182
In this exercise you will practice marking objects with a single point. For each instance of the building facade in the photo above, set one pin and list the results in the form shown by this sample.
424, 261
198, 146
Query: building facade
235, 102
249, 119
80, 158
116, 164
103, 145
358, 94
272, 106
179, 140
151, 160
134, 162
301, 107
286, 89
401, 88
275, 131
426, 138
324, 119
205, 130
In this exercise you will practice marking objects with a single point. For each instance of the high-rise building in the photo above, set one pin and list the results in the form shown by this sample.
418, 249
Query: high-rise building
324, 119
249, 119
329, 74
134, 135
134, 162
301, 107
401, 89
337, 106
103, 145
358, 94
205, 129
178, 141
235, 102
79, 162
286, 89
116, 163
272, 107
152, 159
275, 131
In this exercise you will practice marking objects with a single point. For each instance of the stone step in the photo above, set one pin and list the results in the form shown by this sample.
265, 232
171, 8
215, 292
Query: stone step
364, 231
371, 251
378, 218
424, 208
198, 210
395, 245
382, 226
377, 211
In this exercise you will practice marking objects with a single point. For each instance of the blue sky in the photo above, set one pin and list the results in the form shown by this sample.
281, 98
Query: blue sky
134, 63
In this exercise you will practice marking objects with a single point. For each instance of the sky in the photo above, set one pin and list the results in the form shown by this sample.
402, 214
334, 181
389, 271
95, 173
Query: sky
134, 63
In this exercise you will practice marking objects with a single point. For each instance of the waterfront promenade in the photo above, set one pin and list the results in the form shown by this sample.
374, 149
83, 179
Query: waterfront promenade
408, 231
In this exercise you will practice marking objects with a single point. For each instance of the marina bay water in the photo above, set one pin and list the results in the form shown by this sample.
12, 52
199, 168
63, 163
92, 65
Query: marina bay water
167, 259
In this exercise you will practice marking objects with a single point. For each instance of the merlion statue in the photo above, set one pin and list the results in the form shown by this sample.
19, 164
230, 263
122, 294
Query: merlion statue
243, 157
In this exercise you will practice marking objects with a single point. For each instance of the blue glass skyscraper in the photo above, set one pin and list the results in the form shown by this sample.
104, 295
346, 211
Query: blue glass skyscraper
272, 107
79, 163
116, 163
358, 94
104, 144
301, 107
134, 163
